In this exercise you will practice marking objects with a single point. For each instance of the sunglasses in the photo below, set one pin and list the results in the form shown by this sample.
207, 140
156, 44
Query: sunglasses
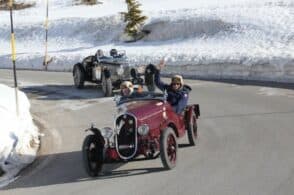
176, 83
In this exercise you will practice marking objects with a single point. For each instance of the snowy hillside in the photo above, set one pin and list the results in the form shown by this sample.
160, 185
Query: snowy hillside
244, 33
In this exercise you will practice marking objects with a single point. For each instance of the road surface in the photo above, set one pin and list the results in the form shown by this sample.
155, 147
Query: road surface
245, 143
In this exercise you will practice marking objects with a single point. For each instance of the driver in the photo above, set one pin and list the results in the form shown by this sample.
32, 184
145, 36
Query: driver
128, 90
177, 92
100, 55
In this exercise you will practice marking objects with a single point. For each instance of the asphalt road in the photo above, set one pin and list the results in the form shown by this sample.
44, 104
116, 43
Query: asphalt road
245, 144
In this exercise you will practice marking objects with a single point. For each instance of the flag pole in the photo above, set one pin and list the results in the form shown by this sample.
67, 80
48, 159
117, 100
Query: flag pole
13, 57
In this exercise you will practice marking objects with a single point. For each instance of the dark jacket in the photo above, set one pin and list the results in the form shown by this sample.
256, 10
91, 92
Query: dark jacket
178, 99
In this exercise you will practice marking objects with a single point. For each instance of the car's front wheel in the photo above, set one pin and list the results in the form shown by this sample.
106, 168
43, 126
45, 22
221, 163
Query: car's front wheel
78, 76
168, 148
92, 155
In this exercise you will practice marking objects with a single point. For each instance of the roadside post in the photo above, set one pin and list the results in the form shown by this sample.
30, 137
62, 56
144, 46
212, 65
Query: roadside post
13, 56
46, 58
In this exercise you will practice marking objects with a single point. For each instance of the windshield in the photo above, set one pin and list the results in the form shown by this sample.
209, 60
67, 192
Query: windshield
143, 96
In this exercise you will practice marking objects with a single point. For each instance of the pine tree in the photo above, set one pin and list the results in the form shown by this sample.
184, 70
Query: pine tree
134, 18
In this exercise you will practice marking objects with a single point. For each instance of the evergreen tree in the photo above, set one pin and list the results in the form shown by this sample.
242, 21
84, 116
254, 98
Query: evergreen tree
134, 19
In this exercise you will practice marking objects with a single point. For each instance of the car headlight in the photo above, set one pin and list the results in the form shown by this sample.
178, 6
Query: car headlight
120, 70
107, 132
143, 129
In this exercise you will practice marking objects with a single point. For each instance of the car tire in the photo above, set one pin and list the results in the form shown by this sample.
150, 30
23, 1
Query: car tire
78, 76
168, 148
151, 88
150, 82
106, 86
149, 77
192, 129
92, 155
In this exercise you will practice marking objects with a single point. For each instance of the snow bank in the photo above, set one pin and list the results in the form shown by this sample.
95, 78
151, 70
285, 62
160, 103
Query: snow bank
245, 38
18, 135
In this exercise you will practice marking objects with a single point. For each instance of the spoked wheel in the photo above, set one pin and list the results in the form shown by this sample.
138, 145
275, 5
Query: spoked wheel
192, 130
79, 77
106, 86
92, 155
168, 148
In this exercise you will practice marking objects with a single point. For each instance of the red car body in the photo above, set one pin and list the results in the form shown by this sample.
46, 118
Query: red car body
147, 126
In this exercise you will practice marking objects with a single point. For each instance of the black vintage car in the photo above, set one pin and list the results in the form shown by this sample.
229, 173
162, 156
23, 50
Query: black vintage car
109, 71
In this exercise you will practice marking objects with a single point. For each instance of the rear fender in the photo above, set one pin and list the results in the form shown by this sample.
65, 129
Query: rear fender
189, 114
192, 108
197, 110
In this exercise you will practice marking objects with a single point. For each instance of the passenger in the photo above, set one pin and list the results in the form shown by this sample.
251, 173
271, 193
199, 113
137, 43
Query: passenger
126, 88
100, 55
114, 53
177, 92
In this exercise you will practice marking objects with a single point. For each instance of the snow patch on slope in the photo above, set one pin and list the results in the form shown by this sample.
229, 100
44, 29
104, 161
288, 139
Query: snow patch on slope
245, 33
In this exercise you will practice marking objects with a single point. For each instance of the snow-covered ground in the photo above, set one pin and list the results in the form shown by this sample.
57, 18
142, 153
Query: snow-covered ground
244, 38
19, 137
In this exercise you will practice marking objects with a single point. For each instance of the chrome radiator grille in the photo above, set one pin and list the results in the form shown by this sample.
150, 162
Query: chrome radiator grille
126, 139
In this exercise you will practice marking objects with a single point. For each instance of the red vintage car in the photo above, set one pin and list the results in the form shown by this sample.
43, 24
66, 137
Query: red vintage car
145, 125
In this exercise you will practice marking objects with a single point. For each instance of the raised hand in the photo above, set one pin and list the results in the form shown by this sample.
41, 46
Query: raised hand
161, 64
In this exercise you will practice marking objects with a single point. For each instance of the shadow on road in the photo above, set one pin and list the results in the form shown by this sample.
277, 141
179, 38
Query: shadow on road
68, 167
63, 92
130, 172
184, 145
252, 83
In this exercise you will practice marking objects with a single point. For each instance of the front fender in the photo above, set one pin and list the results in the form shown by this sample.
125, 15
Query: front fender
97, 134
